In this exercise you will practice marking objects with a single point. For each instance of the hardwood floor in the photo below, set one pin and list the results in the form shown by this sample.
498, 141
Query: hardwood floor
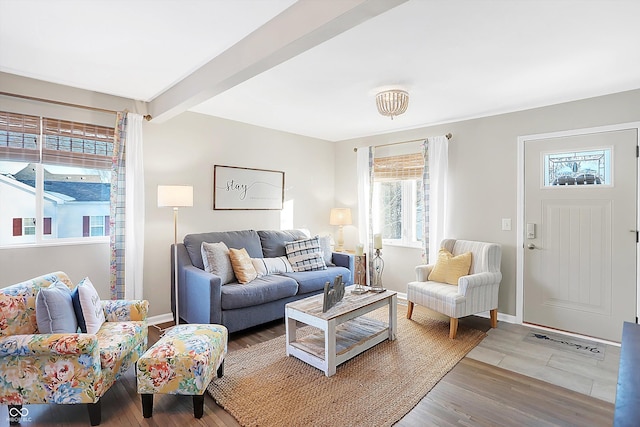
474, 393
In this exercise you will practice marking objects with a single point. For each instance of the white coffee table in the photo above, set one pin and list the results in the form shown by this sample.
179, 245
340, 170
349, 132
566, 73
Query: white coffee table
345, 332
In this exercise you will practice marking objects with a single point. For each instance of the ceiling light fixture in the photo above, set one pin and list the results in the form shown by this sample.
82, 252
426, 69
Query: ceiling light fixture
392, 102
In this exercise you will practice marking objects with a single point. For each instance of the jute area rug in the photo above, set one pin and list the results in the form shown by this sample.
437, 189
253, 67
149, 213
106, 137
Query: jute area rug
261, 386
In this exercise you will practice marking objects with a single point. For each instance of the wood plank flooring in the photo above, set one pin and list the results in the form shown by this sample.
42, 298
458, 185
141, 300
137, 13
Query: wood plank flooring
474, 393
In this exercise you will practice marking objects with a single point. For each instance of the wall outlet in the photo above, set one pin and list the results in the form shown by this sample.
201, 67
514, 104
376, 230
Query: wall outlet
506, 224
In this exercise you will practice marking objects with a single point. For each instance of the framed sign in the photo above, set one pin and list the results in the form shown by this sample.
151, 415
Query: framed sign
244, 188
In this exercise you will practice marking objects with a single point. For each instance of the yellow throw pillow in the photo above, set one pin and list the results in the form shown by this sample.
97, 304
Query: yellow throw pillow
242, 265
449, 268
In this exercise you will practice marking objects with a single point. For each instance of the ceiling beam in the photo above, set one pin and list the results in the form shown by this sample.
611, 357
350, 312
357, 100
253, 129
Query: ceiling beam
304, 25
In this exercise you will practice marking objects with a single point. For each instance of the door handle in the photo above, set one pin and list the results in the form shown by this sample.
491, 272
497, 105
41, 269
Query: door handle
531, 246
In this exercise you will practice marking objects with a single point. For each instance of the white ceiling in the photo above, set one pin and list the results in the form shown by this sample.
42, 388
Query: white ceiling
313, 67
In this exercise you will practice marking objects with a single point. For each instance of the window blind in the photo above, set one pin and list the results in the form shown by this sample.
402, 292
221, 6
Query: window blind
19, 137
64, 142
401, 167
76, 144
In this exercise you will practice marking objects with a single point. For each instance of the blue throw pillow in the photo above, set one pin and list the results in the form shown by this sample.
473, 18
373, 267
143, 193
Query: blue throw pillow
54, 310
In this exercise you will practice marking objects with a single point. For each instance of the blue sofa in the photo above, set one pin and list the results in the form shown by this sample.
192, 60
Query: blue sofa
203, 298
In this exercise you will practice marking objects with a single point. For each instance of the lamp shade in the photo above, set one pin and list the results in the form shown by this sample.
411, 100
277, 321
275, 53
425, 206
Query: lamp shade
340, 216
175, 196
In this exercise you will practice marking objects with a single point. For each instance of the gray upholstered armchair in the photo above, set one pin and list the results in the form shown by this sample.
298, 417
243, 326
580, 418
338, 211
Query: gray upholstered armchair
474, 293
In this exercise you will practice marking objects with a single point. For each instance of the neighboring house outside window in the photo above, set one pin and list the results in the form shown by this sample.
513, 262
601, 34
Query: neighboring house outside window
27, 226
95, 226
67, 179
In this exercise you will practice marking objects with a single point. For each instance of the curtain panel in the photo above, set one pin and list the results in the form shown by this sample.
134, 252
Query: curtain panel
437, 170
365, 168
126, 222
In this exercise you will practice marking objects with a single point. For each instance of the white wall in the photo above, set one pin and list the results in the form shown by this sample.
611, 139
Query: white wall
184, 150
77, 260
483, 174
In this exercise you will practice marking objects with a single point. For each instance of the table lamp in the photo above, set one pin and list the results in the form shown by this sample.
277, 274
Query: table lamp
340, 217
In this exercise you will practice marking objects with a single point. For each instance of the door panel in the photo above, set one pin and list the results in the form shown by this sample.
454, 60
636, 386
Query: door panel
581, 276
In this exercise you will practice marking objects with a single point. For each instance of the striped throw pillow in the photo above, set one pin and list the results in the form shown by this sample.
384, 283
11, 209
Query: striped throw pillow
266, 266
305, 255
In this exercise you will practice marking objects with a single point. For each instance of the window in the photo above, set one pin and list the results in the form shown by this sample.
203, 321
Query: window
397, 199
592, 167
29, 226
56, 173
95, 225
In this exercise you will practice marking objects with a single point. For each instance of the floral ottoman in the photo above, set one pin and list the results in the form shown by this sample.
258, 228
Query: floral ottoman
183, 361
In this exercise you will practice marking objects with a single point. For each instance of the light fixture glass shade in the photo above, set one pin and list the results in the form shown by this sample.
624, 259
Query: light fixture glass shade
340, 216
392, 102
175, 196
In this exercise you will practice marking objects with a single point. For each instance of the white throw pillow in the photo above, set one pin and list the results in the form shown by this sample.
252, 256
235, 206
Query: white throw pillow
215, 257
265, 266
88, 307
325, 247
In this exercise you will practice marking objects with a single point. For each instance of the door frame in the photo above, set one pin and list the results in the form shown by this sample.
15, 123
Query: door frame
520, 214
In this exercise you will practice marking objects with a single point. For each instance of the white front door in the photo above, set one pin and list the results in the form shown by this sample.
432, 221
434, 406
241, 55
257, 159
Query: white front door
580, 239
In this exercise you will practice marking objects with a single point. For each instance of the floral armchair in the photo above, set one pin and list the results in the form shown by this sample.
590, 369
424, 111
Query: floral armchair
64, 368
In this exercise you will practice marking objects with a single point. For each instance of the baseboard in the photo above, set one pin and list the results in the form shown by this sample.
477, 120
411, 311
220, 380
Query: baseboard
501, 317
402, 299
161, 318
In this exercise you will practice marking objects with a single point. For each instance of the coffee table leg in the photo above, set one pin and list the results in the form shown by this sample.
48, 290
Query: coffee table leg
393, 317
330, 348
290, 326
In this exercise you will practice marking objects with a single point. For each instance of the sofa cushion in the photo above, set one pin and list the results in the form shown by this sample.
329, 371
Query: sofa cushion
215, 257
242, 265
311, 281
273, 241
54, 310
88, 307
259, 291
247, 239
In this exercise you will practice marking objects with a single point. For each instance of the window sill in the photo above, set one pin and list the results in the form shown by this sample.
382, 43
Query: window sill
58, 242
401, 245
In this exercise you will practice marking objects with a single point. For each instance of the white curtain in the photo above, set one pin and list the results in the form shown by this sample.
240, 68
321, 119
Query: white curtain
438, 149
365, 190
134, 211
363, 195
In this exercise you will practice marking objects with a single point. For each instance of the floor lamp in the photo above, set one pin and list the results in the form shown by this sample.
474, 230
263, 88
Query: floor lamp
175, 196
